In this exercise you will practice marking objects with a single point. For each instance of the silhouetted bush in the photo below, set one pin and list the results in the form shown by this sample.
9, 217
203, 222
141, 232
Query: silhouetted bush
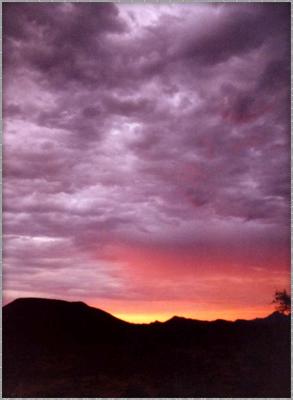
283, 302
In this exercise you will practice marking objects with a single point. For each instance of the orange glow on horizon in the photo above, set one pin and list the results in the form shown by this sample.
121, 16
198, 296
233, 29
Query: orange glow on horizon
146, 312
151, 311
192, 286
228, 315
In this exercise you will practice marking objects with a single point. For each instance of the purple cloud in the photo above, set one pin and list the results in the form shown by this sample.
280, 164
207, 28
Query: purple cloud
126, 125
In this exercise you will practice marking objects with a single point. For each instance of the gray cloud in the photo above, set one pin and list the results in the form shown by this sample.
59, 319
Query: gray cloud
122, 129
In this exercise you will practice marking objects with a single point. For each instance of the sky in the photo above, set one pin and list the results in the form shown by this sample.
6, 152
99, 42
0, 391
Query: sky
146, 156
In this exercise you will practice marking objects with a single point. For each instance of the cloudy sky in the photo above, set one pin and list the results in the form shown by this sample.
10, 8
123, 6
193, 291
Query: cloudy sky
146, 156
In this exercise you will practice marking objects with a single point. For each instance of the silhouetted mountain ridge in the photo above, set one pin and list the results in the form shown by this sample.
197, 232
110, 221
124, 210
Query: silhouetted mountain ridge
55, 348
55, 305
40, 305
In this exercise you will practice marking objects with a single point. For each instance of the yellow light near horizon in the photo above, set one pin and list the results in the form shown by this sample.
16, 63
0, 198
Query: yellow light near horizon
142, 318
229, 315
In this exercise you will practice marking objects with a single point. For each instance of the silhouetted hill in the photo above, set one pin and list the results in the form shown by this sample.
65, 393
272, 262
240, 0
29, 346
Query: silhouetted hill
39, 310
39, 326
54, 348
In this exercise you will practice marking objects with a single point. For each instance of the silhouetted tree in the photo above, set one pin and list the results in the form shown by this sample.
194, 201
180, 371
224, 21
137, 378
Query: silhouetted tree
283, 302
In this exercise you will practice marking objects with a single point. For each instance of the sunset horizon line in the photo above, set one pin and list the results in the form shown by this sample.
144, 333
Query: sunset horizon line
149, 318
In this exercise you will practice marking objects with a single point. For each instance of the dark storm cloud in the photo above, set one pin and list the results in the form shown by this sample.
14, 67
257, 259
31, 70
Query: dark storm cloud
60, 39
129, 126
239, 30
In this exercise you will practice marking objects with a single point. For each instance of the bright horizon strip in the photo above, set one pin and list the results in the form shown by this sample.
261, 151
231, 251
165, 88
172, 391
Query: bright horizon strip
228, 315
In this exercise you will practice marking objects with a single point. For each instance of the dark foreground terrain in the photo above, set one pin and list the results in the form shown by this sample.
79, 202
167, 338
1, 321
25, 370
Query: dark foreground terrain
54, 348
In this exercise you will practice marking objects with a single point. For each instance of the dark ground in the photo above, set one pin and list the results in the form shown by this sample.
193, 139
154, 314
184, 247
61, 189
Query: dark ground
59, 349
